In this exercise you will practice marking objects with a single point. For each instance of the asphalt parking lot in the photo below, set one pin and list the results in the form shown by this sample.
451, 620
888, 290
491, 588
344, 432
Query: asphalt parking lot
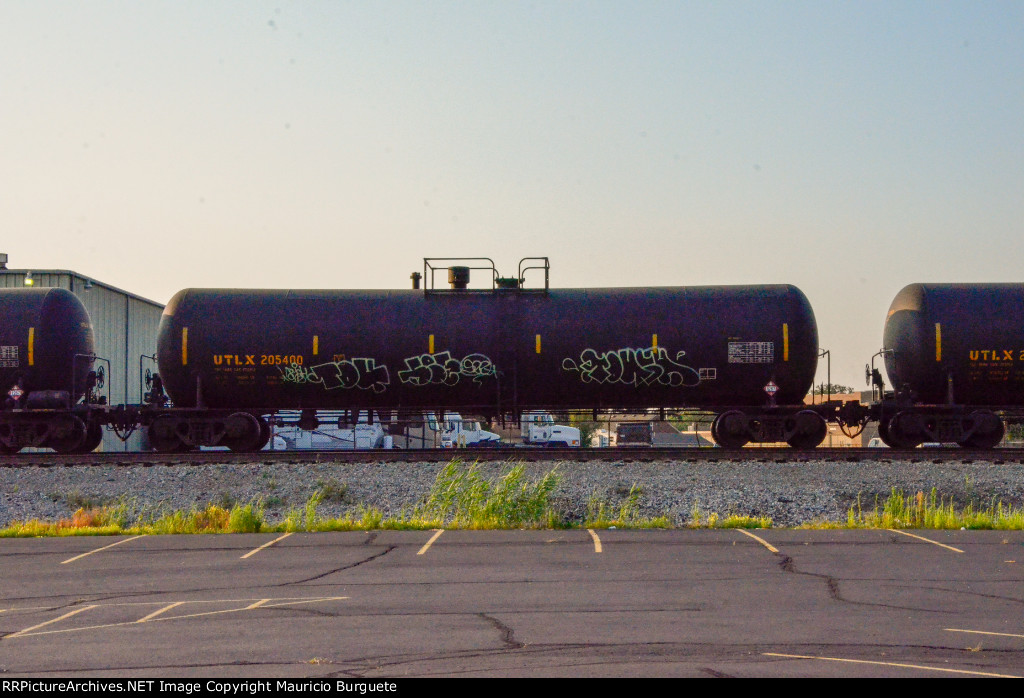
764, 603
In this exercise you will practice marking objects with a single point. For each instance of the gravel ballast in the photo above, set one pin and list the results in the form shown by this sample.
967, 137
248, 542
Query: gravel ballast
790, 494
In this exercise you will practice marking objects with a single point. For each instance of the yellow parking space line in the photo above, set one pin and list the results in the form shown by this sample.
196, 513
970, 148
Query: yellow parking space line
926, 540
294, 603
894, 664
982, 632
105, 547
154, 614
50, 622
265, 545
597, 541
760, 540
430, 542
261, 603
121, 604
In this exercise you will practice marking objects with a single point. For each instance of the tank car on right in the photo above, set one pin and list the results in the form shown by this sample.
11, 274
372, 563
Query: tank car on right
954, 354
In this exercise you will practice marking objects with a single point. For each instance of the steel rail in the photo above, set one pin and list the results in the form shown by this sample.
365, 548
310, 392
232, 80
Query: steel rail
623, 454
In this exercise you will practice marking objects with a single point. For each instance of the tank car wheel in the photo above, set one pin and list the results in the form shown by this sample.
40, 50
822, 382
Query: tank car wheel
93, 437
242, 432
729, 430
265, 433
903, 431
71, 435
163, 435
988, 430
883, 432
7, 432
810, 431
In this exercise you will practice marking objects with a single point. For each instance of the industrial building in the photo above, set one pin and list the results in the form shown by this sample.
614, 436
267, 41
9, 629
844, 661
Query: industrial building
125, 326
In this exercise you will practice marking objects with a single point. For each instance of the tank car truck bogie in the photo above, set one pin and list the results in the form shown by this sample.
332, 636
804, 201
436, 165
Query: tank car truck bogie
910, 426
174, 431
801, 429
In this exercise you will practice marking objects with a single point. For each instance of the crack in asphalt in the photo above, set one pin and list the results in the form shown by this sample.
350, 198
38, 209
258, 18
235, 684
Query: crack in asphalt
787, 565
364, 561
977, 593
508, 634
716, 674
832, 584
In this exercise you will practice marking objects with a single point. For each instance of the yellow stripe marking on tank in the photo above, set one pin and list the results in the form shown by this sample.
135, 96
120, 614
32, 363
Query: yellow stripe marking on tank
785, 341
316, 345
538, 344
654, 341
184, 346
938, 341
430, 344
31, 346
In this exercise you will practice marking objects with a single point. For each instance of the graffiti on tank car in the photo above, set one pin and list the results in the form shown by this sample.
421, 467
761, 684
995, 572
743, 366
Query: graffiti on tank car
443, 369
638, 367
298, 374
354, 373
477, 367
361, 373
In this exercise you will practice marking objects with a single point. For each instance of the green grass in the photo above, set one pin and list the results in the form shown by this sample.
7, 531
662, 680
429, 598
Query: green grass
111, 521
703, 519
933, 511
462, 497
601, 514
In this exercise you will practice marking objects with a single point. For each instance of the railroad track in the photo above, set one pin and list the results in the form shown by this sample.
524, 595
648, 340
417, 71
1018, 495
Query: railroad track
641, 454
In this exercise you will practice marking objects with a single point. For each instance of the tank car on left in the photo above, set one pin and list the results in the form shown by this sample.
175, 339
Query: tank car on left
46, 372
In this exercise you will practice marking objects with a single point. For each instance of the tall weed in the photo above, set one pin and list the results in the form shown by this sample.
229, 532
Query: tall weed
462, 498
932, 511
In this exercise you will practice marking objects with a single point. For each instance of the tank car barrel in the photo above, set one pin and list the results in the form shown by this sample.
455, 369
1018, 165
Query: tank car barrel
494, 352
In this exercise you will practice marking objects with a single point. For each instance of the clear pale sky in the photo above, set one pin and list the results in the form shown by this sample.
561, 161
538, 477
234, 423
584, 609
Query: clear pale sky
848, 148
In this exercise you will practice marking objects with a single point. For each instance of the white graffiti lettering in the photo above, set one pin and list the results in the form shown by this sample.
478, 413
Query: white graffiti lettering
361, 373
443, 369
295, 373
637, 367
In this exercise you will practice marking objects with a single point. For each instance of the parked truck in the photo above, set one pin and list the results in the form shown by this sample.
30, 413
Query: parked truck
634, 434
539, 429
456, 432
